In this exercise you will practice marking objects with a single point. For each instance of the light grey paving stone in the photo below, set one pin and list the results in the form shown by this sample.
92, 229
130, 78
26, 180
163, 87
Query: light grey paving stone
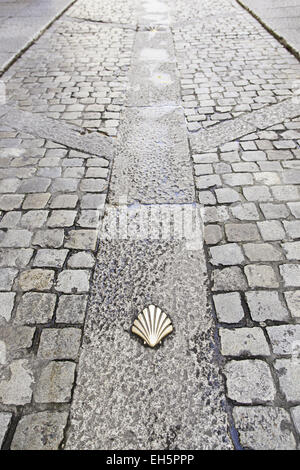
55, 383
212, 234
93, 201
285, 193
293, 302
237, 179
295, 412
229, 307
9, 185
93, 185
266, 305
291, 176
274, 211
243, 342
206, 198
34, 185
7, 277
40, 431
262, 252
16, 258
249, 381
292, 228
64, 185
50, 258
226, 255
292, 250
17, 388
59, 343
261, 276
35, 307
52, 238
208, 181
36, 279
96, 172
11, 219
288, 371
290, 274
16, 340
5, 419
64, 201
264, 428
73, 281
205, 158
229, 279
61, 218
34, 219
82, 259
9, 202
241, 232
279, 155
89, 218
7, 300
81, 240
71, 309
246, 211
15, 239
227, 195
284, 338
36, 201
271, 230
257, 193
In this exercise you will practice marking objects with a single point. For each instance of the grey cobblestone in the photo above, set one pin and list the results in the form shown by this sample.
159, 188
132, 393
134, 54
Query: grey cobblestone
35, 307
55, 383
4, 424
288, 371
265, 305
243, 342
264, 428
59, 343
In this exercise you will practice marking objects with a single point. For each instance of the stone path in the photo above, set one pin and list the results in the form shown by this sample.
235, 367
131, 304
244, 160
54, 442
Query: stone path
137, 166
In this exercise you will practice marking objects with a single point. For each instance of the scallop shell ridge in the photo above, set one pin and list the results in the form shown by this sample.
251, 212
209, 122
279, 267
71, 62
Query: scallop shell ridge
152, 325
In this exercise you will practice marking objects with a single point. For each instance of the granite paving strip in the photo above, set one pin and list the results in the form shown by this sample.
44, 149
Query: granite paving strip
249, 188
229, 64
22, 23
128, 396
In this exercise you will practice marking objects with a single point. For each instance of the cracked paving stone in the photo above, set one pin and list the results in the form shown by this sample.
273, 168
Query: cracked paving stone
40, 431
249, 381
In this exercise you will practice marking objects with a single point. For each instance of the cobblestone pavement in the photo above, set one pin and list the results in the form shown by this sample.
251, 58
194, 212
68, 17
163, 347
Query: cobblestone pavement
167, 74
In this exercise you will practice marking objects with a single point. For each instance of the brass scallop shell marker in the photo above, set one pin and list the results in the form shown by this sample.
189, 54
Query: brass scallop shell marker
152, 325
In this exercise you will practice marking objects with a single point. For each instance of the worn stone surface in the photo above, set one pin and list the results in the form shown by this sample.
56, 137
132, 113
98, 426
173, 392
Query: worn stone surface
40, 431
55, 383
264, 428
4, 423
249, 382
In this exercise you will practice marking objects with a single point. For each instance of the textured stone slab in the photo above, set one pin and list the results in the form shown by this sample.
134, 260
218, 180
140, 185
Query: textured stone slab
152, 153
264, 428
245, 124
128, 395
